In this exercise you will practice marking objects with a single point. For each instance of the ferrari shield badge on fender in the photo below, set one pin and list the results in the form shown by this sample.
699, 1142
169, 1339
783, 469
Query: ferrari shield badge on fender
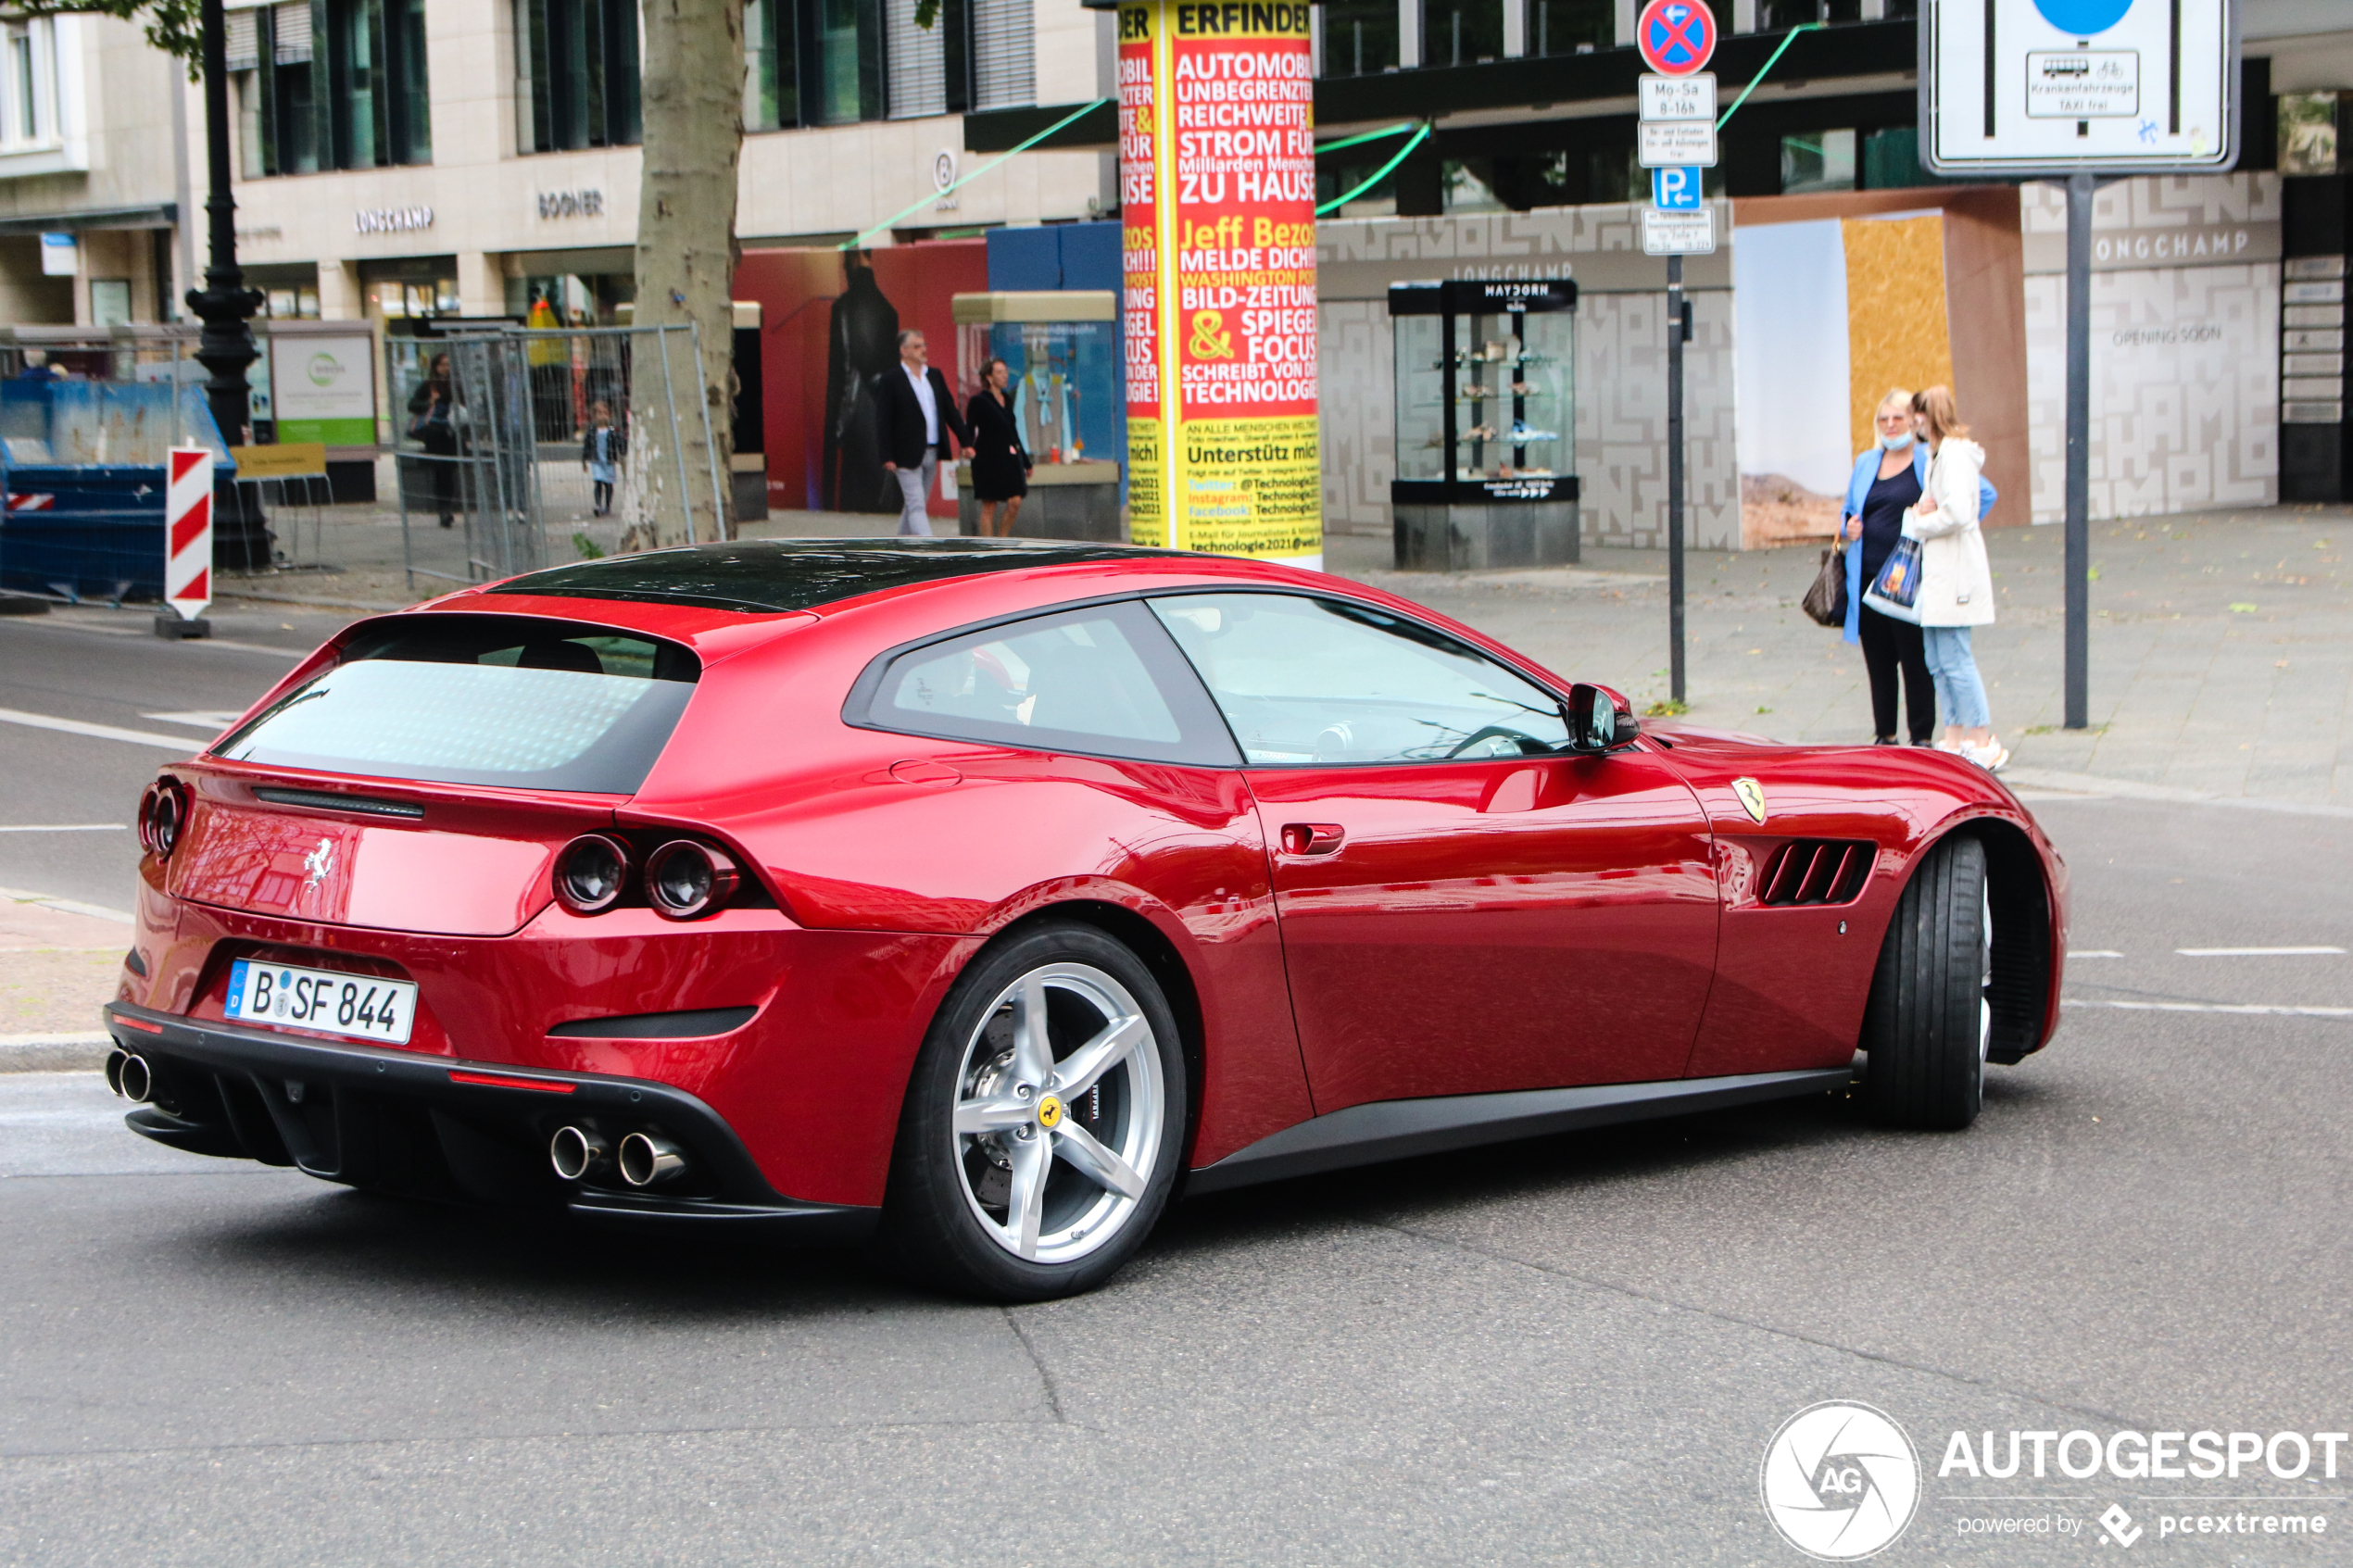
1752, 795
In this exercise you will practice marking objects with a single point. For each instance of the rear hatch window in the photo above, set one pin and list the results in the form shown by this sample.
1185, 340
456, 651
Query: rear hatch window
480, 700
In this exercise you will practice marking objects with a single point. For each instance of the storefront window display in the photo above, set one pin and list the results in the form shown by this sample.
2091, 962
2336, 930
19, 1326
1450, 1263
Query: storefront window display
1485, 423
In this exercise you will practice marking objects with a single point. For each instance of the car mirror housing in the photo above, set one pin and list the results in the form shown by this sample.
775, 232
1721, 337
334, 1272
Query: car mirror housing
1599, 718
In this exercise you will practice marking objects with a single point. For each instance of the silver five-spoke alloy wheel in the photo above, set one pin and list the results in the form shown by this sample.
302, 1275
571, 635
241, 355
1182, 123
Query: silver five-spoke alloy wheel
1058, 1111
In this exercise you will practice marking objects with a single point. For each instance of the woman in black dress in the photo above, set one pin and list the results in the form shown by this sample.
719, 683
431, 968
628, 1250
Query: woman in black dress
1000, 464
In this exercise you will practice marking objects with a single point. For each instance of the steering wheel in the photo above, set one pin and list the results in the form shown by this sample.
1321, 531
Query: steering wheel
1485, 733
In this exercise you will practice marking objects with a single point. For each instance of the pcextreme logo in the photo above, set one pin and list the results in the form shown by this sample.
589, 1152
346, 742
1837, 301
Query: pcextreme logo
1841, 1481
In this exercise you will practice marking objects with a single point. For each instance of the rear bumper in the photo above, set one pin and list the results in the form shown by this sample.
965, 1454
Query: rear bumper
434, 1127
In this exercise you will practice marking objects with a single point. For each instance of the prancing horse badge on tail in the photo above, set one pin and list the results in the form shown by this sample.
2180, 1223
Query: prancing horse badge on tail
1752, 795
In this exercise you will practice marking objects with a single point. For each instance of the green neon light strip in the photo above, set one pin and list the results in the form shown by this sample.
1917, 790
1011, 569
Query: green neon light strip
1397, 129
1339, 201
1801, 27
1078, 114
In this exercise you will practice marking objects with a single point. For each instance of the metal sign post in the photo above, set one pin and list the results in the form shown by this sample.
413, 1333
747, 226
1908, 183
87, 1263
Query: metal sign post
2072, 90
1677, 140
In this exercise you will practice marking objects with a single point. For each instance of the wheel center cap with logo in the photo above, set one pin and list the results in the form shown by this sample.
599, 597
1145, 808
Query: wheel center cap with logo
1050, 1112
1841, 1481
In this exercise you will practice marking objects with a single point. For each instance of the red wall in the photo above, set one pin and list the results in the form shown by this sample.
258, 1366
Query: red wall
795, 288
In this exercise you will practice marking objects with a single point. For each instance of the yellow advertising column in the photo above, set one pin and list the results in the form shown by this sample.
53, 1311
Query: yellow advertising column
1217, 204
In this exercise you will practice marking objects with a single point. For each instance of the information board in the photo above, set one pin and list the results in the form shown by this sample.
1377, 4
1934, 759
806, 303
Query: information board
2053, 87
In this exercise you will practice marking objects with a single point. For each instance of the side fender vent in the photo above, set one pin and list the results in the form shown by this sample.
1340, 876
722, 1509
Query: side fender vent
1816, 871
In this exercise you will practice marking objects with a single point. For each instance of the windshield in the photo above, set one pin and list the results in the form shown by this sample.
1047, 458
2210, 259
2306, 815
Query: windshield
507, 700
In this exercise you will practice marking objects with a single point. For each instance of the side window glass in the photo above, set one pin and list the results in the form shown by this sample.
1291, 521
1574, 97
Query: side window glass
1317, 680
1089, 681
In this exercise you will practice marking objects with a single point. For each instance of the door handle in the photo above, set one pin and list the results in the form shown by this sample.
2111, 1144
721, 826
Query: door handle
1312, 839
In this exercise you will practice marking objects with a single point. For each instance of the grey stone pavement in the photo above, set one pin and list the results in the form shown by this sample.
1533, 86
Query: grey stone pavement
2222, 641
2221, 647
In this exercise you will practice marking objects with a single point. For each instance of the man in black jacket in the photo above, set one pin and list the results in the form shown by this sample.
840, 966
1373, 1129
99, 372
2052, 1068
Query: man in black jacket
918, 412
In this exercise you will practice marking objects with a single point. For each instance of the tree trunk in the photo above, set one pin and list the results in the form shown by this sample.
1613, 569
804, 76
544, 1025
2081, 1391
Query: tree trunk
694, 130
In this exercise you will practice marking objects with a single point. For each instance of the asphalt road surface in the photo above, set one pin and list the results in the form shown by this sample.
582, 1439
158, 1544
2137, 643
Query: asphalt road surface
1570, 1350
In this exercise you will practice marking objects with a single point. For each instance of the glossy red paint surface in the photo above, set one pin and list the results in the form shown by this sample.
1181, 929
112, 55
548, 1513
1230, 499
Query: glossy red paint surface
1454, 939
1459, 936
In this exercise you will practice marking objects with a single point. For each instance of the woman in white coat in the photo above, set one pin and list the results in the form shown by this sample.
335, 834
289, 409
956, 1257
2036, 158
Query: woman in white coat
1956, 585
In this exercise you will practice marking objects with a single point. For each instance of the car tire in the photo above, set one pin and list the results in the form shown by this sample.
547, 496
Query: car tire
1926, 1025
1013, 1181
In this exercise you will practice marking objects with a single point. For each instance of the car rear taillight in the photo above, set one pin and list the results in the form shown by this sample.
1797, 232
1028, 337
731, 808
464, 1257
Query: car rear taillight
685, 879
163, 813
591, 873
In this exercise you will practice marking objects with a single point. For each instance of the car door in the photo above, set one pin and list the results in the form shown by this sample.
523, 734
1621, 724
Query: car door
1464, 907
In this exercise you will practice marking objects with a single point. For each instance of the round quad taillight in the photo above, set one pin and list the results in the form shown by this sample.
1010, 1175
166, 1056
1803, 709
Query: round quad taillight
590, 873
685, 879
163, 813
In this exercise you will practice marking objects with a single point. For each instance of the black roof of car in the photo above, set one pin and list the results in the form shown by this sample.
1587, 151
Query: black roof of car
766, 576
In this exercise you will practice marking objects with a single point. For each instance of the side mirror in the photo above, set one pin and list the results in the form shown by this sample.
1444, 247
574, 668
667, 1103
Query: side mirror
1599, 718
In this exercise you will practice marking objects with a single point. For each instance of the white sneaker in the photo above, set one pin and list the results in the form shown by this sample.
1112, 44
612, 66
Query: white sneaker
1993, 757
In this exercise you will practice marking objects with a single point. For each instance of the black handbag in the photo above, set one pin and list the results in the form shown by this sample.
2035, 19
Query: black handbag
1826, 600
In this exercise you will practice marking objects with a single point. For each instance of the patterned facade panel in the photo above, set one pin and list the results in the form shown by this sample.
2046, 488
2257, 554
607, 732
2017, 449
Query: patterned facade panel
1621, 362
2185, 401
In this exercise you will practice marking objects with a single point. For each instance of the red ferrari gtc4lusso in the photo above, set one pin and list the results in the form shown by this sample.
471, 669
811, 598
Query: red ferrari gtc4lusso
977, 895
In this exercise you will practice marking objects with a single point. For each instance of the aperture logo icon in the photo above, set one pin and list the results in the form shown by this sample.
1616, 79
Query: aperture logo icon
1841, 1481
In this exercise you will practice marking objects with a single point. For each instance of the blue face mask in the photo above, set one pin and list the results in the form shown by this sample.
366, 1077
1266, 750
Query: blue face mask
1896, 442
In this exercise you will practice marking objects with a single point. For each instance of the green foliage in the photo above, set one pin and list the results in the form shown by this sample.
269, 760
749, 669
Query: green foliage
587, 546
926, 13
176, 27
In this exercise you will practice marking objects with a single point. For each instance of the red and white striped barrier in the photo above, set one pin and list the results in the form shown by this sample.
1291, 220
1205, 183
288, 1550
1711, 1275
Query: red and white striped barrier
187, 514
29, 501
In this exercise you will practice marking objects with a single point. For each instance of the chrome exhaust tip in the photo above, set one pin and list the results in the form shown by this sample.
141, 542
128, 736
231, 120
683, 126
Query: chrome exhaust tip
115, 1058
133, 1080
645, 1160
577, 1151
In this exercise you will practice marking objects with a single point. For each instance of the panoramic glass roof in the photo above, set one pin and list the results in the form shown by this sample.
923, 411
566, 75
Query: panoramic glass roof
762, 576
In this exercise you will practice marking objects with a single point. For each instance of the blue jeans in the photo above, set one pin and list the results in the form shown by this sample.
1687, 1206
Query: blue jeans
1960, 690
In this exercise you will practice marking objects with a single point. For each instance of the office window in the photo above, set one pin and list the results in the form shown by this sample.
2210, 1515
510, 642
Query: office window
331, 84
2307, 132
1360, 37
1004, 69
578, 64
1462, 32
1774, 15
1571, 27
772, 65
28, 86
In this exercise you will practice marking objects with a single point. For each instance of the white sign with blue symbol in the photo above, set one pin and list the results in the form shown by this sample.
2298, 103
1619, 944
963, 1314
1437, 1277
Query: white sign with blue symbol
2055, 87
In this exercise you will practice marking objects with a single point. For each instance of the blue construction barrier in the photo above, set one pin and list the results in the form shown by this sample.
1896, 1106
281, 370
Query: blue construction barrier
81, 465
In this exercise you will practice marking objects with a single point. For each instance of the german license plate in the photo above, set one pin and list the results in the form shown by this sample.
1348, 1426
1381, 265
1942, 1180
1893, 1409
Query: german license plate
364, 1006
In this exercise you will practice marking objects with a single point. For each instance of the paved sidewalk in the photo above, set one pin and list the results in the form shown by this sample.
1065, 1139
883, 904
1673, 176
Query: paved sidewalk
56, 965
2222, 647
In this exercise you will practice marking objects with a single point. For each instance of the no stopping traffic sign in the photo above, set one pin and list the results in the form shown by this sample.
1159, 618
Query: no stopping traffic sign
1676, 37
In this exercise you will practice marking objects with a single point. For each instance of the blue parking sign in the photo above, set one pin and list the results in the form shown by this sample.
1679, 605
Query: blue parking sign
1675, 190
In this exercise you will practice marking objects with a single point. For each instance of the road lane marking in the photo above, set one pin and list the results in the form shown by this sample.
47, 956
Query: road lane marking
179, 744
2094, 953
2257, 952
202, 718
71, 827
71, 906
2251, 1008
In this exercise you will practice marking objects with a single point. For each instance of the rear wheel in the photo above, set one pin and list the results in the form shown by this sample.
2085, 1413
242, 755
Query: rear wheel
1928, 1022
1043, 1123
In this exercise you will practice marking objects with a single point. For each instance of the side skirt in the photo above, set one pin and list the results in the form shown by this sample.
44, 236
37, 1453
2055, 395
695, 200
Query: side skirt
1400, 1129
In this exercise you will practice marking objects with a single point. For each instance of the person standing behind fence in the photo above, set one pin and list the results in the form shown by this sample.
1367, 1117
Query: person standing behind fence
600, 453
918, 413
432, 420
1885, 485
1957, 582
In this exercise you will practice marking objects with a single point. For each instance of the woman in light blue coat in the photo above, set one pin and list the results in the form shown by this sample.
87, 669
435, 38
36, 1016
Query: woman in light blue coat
1887, 482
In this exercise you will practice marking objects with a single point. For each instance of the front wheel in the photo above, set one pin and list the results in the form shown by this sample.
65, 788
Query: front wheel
1928, 1024
1043, 1123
